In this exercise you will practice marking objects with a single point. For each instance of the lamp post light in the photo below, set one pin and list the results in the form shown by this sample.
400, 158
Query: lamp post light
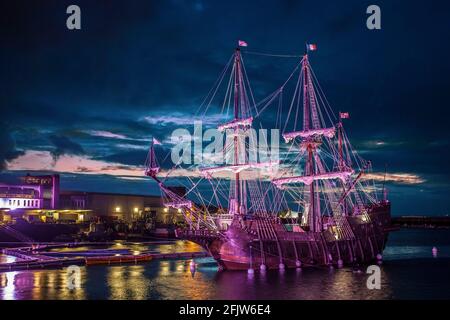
251, 270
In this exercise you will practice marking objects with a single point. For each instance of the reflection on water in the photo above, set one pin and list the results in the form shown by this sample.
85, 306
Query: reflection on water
128, 282
407, 273
299, 284
7, 259
121, 247
37, 285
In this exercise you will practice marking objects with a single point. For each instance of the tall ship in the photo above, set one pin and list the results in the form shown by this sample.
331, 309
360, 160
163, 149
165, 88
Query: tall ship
312, 203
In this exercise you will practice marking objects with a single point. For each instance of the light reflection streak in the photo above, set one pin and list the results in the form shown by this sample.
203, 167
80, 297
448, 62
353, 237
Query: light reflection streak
172, 279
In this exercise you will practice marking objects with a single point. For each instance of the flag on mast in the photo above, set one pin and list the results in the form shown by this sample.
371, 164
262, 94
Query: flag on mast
242, 43
156, 142
311, 46
344, 115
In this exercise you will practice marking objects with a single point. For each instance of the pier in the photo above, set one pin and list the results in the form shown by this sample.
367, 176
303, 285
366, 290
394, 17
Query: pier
422, 221
34, 257
28, 260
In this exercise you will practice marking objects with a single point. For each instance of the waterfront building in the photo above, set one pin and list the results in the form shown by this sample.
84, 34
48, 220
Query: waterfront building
36, 199
123, 207
39, 199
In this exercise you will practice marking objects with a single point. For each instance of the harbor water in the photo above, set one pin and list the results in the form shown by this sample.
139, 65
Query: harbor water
409, 271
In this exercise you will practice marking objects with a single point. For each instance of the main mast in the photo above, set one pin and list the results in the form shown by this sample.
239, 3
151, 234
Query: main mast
309, 107
236, 150
236, 118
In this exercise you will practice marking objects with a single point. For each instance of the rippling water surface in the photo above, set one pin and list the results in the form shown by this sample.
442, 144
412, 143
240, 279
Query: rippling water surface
409, 271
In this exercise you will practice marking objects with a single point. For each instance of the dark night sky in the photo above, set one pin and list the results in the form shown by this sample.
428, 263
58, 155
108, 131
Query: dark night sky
87, 102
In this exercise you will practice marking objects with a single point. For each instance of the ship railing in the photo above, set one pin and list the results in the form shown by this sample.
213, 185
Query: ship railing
307, 180
223, 216
203, 233
237, 123
327, 132
299, 236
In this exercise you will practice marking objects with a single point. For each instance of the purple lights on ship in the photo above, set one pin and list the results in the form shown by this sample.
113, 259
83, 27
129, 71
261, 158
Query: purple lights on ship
313, 206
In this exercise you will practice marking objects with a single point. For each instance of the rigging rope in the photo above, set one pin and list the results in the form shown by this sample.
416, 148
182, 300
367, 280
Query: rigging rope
272, 54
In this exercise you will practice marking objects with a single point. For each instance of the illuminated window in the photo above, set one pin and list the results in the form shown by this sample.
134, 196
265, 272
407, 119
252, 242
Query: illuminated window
136, 210
166, 209
117, 209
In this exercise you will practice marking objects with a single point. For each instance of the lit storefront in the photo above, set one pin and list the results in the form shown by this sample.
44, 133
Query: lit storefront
39, 199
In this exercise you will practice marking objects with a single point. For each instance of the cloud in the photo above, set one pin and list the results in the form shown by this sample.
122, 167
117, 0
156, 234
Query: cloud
8, 149
131, 146
33, 160
130, 157
64, 145
133, 178
382, 143
400, 178
182, 119
106, 134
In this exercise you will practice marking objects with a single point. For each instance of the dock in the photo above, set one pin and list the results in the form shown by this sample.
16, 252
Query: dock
422, 221
180, 255
35, 258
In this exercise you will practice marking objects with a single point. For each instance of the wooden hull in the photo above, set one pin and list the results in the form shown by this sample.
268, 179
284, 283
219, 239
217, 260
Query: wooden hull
243, 250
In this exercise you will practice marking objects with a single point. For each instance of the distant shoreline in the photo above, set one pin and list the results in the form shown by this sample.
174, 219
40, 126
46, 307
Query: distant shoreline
442, 222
